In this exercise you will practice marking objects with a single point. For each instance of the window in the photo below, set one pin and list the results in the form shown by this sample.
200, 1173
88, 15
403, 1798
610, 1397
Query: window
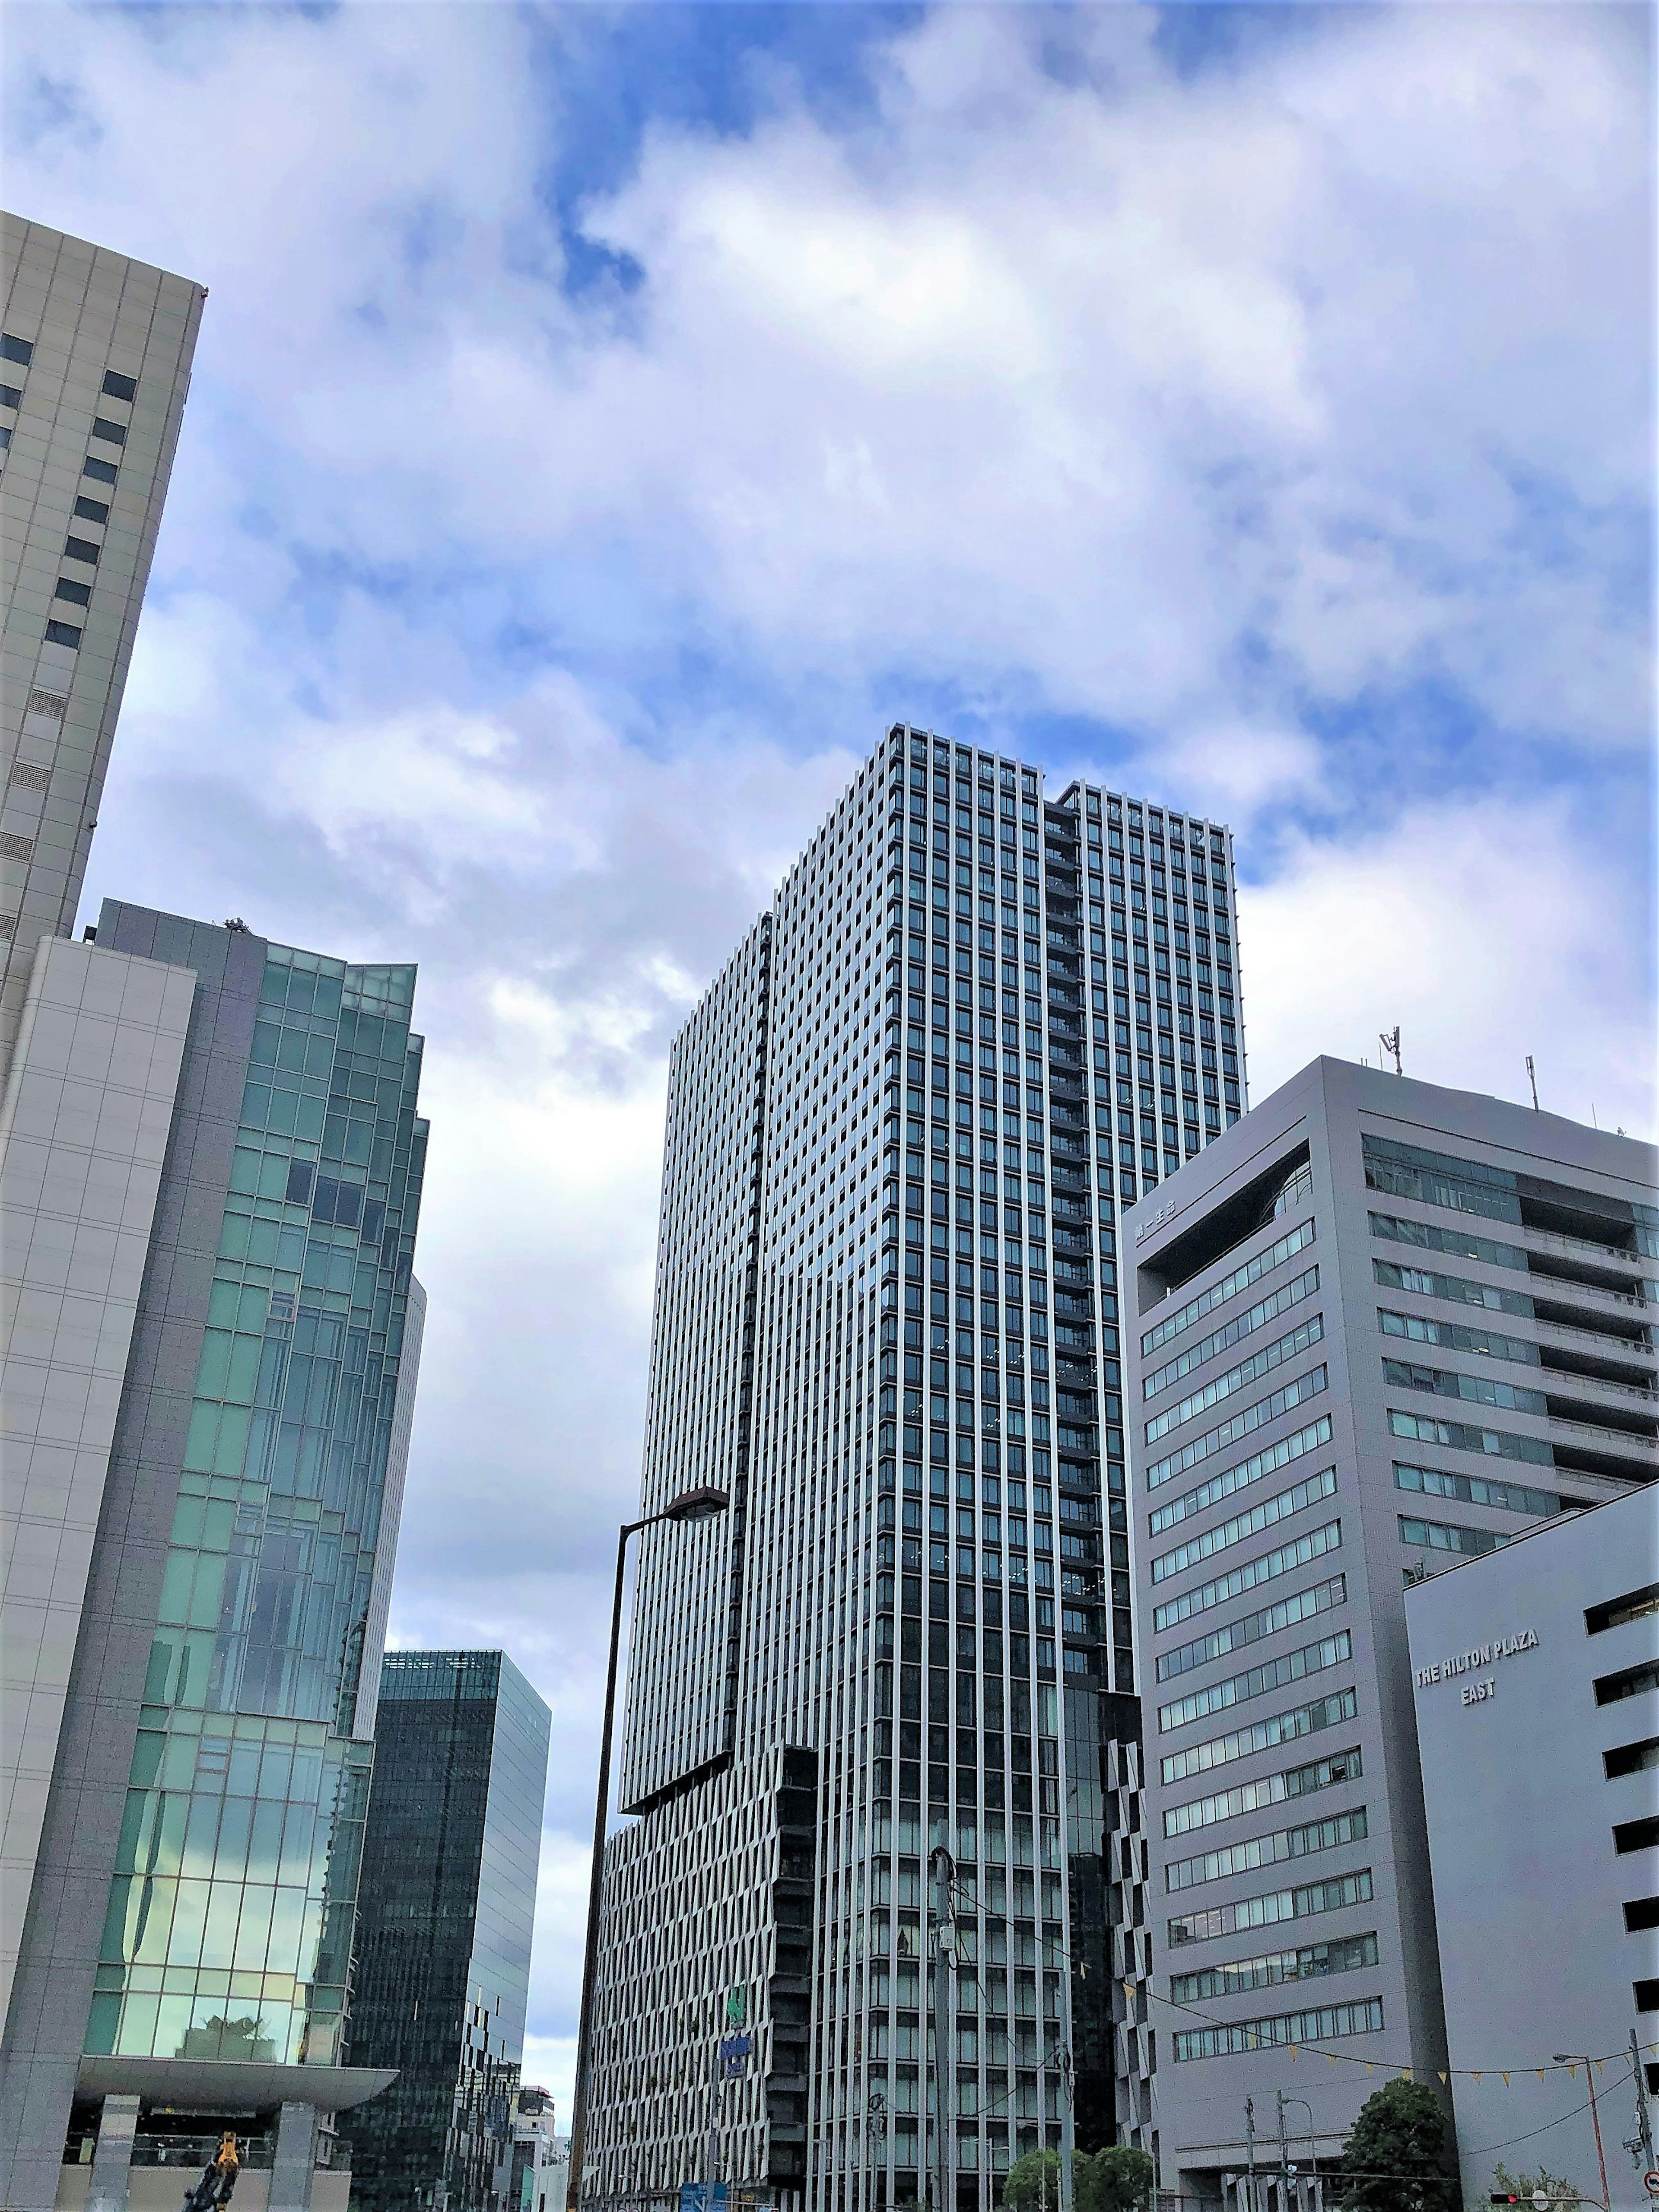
1264, 1911
1310, 1961
100, 471
1635, 1605
112, 433
1636, 1835
61, 632
1628, 1682
1298, 2027
118, 386
1445, 1536
16, 349
92, 510
80, 549
1475, 1490
79, 595
11, 395
1631, 1758
1641, 1912
1267, 1851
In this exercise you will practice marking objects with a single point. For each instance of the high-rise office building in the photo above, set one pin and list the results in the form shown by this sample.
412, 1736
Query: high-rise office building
448, 1911
94, 363
211, 1171
1380, 1328
970, 1026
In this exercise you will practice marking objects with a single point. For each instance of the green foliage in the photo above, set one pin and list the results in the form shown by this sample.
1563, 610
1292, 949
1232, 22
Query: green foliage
1116, 2179
1398, 2159
1555, 2186
1033, 2180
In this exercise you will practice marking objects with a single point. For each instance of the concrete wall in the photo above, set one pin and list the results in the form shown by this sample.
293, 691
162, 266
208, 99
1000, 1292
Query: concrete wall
1529, 1887
83, 1130
53, 1990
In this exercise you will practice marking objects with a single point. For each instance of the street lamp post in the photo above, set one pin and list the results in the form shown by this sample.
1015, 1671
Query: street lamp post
703, 1503
1572, 2058
943, 1869
1312, 2147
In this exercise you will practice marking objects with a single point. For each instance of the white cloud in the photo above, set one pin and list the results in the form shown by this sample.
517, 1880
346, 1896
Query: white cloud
1481, 930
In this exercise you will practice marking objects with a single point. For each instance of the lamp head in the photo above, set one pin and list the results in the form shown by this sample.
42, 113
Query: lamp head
706, 1503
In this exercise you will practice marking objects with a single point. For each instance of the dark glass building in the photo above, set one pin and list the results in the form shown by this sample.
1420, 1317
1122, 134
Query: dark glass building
447, 1908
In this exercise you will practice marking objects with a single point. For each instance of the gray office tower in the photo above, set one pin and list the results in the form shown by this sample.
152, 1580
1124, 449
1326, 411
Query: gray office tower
94, 363
210, 1175
444, 1930
1380, 1328
971, 1024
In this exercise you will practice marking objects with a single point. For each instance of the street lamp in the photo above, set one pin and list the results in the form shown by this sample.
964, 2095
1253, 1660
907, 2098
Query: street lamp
705, 1503
1572, 2058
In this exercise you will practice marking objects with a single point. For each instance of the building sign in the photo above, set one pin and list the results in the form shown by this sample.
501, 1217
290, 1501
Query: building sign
1472, 1661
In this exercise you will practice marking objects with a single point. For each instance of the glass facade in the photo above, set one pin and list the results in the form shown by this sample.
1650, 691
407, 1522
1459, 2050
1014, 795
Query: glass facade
228, 1933
444, 1929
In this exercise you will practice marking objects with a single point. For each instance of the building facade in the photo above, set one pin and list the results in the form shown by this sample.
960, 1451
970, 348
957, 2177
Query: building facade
1380, 1328
212, 1171
445, 1926
1536, 1665
971, 1024
94, 363
541, 2156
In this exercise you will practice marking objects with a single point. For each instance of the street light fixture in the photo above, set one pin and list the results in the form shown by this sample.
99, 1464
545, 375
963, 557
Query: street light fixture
1574, 2058
703, 1503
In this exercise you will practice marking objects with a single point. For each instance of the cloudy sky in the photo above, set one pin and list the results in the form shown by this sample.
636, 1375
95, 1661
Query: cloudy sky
606, 421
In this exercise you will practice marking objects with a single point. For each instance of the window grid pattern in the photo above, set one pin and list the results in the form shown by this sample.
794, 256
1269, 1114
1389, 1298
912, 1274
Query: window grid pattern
887, 1322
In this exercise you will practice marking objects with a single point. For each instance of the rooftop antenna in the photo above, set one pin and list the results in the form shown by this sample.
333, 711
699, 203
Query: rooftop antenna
1532, 1077
1390, 1041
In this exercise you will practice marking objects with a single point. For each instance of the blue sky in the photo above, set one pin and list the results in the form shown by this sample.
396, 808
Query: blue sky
606, 421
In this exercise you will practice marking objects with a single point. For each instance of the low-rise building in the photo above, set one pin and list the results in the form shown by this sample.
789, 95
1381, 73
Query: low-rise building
1535, 1676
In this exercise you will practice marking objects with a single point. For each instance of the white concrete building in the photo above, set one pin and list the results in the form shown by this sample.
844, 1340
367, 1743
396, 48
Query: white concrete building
94, 363
972, 1023
1535, 1675
1381, 1327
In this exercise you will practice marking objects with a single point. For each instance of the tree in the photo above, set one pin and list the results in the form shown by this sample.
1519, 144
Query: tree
1555, 2186
1032, 2182
1397, 2158
1116, 2179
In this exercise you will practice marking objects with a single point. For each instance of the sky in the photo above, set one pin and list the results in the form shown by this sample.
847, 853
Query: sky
607, 421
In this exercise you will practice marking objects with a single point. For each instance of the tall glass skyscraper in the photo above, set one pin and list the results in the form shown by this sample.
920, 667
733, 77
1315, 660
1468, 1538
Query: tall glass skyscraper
445, 1927
96, 353
972, 1024
212, 1169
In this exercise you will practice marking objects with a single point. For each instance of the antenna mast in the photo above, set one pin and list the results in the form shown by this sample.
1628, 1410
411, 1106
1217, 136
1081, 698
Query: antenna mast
1390, 1041
1532, 1077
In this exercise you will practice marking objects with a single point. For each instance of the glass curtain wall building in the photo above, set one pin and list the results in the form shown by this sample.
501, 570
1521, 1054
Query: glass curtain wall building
447, 1913
972, 1025
193, 1894
94, 364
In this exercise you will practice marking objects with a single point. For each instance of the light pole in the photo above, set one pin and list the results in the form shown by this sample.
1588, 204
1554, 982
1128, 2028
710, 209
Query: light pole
1313, 2148
703, 1503
943, 1869
1572, 2058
